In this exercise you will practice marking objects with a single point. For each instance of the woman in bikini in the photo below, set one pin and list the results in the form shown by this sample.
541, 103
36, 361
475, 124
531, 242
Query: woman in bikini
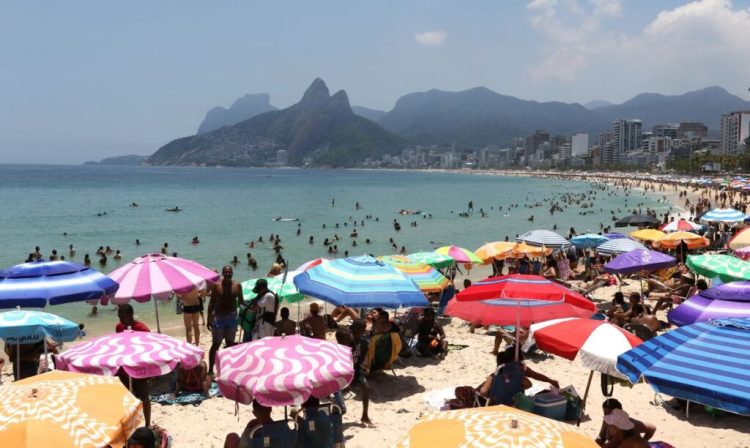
192, 307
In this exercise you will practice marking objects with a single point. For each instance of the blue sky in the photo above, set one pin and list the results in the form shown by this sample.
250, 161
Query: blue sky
85, 80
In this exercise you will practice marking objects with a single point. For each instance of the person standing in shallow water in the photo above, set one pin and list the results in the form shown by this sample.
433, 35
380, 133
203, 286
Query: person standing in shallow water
222, 313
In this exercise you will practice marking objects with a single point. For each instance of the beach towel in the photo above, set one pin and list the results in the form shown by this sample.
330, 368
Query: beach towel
184, 398
382, 352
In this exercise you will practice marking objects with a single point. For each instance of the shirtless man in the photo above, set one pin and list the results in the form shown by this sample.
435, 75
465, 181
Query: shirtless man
191, 311
315, 324
222, 313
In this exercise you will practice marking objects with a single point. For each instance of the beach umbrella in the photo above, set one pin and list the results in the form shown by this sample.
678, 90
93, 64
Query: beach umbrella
723, 215
26, 326
437, 261
287, 292
637, 221
518, 312
493, 426
639, 260
726, 267
743, 253
525, 250
498, 250
41, 283
360, 282
647, 234
427, 278
311, 264
459, 254
283, 371
727, 300
588, 240
707, 363
674, 240
140, 354
681, 224
619, 246
520, 286
158, 276
544, 238
740, 240
615, 236
67, 410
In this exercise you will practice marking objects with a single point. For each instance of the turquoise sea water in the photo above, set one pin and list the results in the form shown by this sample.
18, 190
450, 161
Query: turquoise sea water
226, 208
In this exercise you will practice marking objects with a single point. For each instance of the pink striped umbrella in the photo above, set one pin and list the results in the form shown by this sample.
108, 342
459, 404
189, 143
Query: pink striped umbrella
140, 354
281, 371
159, 276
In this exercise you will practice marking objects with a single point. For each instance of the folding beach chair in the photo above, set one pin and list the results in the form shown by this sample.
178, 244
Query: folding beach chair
320, 427
507, 383
409, 324
383, 352
274, 435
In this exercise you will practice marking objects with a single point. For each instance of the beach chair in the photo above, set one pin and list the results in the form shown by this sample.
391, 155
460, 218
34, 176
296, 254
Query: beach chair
506, 384
273, 435
320, 427
640, 330
409, 324
382, 352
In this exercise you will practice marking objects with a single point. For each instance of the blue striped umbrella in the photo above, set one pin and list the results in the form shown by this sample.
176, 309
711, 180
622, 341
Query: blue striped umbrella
619, 246
26, 326
723, 215
588, 240
39, 283
360, 282
707, 362
546, 238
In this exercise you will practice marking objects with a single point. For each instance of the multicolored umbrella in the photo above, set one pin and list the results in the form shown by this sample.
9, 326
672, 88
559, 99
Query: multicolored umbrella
619, 246
282, 371
637, 221
674, 240
639, 260
544, 238
726, 267
287, 292
493, 426
498, 250
311, 264
707, 363
427, 278
360, 282
67, 410
723, 215
459, 254
23, 327
435, 260
681, 225
740, 240
648, 234
588, 240
139, 354
41, 283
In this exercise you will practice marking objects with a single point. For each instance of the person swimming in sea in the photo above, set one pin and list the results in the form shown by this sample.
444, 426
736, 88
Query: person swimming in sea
195, 240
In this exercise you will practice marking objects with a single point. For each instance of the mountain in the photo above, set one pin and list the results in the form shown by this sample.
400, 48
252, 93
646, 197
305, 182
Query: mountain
705, 105
371, 114
596, 104
128, 160
479, 117
243, 108
321, 128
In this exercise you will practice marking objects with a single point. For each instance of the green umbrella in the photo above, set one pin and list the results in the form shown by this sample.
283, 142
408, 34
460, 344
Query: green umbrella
437, 261
287, 293
726, 267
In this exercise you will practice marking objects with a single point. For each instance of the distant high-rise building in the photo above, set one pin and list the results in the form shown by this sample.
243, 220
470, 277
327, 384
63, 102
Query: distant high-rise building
580, 144
534, 141
281, 157
666, 130
692, 131
626, 137
735, 128
607, 153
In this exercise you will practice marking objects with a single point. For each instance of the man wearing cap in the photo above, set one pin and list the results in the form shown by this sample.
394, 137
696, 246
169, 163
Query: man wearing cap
266, 307
222, 313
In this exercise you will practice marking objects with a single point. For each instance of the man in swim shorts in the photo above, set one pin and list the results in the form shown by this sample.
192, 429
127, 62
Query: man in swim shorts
222, 313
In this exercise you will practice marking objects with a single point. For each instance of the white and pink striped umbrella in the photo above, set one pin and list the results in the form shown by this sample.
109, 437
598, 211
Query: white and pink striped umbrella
159, 276
140, 354
281, 371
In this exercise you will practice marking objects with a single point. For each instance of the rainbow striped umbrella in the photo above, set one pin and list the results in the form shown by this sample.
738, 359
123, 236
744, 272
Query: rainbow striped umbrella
425, 276
287, 292
360, 282
437, 261
459, 254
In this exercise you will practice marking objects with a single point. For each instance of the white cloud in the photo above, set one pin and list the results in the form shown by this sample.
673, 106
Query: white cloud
431, 38
700, 43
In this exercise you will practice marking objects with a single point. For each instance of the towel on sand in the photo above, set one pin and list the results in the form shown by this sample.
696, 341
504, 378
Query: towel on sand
194, 398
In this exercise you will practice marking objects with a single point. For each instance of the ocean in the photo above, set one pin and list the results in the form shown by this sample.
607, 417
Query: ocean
90, 206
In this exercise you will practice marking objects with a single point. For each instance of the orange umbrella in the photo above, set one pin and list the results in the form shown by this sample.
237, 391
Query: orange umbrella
499, 250
65, 409
493, 426
672, 240
523, 249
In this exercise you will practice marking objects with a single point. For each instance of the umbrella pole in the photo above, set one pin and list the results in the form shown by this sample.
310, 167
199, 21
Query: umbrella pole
585, 397
130, 383
518, 324
17, 376
156, 309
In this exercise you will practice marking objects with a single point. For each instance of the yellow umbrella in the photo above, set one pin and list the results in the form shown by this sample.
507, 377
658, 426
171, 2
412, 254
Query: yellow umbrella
499, 250
523, 249
493, 426
673, 240
65, 409
648, 234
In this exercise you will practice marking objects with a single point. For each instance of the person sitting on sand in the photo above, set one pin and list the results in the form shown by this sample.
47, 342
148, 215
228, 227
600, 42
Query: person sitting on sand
262, 417
341, 312
617, 314
640, 316
646, 430
354, 337
193, 380
384, 325
621, 432
430, 335
284, 326
314, 324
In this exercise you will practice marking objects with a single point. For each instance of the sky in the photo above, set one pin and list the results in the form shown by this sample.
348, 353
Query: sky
86, 80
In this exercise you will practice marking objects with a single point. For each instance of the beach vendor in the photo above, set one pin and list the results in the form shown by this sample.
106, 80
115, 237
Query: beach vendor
266, 306
222, 313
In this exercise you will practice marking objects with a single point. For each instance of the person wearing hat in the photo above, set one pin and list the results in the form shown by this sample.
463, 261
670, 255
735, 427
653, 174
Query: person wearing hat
619, 430
266, 306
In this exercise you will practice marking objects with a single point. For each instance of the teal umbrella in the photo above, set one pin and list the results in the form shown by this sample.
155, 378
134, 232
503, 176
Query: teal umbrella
287, 293
437, 261
726, 267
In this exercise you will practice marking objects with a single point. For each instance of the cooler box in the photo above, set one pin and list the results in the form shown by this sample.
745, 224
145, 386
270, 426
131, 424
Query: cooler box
551, 406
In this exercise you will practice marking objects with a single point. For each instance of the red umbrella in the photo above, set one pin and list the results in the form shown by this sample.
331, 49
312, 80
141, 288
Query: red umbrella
519, 286
522, 312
